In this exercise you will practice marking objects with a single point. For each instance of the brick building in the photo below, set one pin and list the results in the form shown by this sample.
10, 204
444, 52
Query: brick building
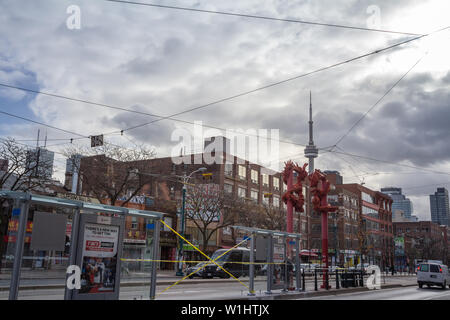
343, 226
234, 176
423, 240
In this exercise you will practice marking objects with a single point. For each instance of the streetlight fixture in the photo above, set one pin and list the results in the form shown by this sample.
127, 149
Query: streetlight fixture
182, 218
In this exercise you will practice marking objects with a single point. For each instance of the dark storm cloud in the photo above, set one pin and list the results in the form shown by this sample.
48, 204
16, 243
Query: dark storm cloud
415, 130
153, 134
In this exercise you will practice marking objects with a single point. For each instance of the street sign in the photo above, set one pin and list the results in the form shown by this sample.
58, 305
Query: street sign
96, 141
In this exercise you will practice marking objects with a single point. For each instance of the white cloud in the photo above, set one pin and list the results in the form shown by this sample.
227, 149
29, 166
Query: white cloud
164, 61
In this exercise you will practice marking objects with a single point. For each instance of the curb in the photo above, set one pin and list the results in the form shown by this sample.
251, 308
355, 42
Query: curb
129, 284
334, 292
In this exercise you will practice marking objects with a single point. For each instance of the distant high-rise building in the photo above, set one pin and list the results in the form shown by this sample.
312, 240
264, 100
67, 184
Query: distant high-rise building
439, 206
400, 201
72, 172
334, 177
41, 160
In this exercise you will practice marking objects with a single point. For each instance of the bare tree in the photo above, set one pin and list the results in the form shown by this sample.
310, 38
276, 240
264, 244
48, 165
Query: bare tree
273, 218
21, 169
111, 173
209, 209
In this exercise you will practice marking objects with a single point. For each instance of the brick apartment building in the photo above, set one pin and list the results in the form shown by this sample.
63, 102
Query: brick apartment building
343, 226
234, 176
365, 226
421, 240
376, 230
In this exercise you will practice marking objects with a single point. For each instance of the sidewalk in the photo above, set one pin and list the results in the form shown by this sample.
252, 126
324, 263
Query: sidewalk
55, 279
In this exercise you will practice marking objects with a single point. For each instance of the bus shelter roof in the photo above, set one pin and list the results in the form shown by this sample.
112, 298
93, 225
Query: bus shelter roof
75, 204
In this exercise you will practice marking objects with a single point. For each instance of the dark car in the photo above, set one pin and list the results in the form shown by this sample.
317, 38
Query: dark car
198, 273
235, 262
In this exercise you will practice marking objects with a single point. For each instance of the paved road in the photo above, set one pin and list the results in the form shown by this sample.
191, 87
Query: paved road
405, 293
194, 290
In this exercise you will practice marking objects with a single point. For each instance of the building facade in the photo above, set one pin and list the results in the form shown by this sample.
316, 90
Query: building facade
41, 160
376, 238
422, 240
439, 206
400, 201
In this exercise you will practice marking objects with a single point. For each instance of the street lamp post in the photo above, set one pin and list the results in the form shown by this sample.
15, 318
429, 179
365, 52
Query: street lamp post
182, 220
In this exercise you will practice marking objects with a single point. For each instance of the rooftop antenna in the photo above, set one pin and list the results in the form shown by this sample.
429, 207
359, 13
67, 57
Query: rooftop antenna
45, 143
37, 141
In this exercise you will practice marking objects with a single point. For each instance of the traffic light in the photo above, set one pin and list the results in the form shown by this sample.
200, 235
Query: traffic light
207, 176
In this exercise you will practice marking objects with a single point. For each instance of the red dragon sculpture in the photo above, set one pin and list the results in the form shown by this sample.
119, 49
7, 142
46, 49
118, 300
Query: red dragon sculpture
319, 200
296, 193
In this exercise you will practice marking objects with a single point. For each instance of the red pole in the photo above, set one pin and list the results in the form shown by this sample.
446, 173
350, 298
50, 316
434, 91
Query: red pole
290, 205
324, 245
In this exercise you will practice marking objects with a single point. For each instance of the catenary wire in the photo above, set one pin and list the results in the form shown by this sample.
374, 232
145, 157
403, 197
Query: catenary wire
253, 16
223, 99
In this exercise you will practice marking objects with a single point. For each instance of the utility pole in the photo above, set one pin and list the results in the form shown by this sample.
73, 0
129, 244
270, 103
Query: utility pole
182, 220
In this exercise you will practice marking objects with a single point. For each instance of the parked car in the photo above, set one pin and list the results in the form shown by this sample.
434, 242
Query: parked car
433, 274
235, 262
191, 269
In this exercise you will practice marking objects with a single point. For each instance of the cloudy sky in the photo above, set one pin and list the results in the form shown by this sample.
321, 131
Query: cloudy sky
163, 61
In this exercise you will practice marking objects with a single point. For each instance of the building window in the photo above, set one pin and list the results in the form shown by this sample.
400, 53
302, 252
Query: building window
276, 183
254, 195
168, 221
228, 188
276, 201
265, 179
229, 169
242, 192
254, 176
134, 223
367, 198
242, 172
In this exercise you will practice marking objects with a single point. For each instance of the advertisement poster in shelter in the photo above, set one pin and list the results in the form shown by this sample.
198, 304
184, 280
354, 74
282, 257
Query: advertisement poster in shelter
99, 258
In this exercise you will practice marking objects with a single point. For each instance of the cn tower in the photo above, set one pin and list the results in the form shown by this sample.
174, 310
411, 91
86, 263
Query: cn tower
311, 151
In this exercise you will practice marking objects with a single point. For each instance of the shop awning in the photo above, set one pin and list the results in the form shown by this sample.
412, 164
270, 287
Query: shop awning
308, 254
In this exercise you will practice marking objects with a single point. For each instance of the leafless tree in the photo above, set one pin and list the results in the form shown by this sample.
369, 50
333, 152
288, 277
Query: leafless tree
273, 218
21, 169
112, 174
209, 209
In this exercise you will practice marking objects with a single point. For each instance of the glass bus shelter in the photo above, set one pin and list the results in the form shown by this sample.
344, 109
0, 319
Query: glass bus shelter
67, 233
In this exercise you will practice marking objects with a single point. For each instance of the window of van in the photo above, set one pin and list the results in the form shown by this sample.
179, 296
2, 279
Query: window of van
223, 254
424, 267
434, 268
246, 257
235, 256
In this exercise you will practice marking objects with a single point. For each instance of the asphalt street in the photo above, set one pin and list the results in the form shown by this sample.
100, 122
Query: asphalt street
405, 293
192, 290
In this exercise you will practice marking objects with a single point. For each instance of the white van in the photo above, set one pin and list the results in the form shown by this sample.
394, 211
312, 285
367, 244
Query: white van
433, 274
